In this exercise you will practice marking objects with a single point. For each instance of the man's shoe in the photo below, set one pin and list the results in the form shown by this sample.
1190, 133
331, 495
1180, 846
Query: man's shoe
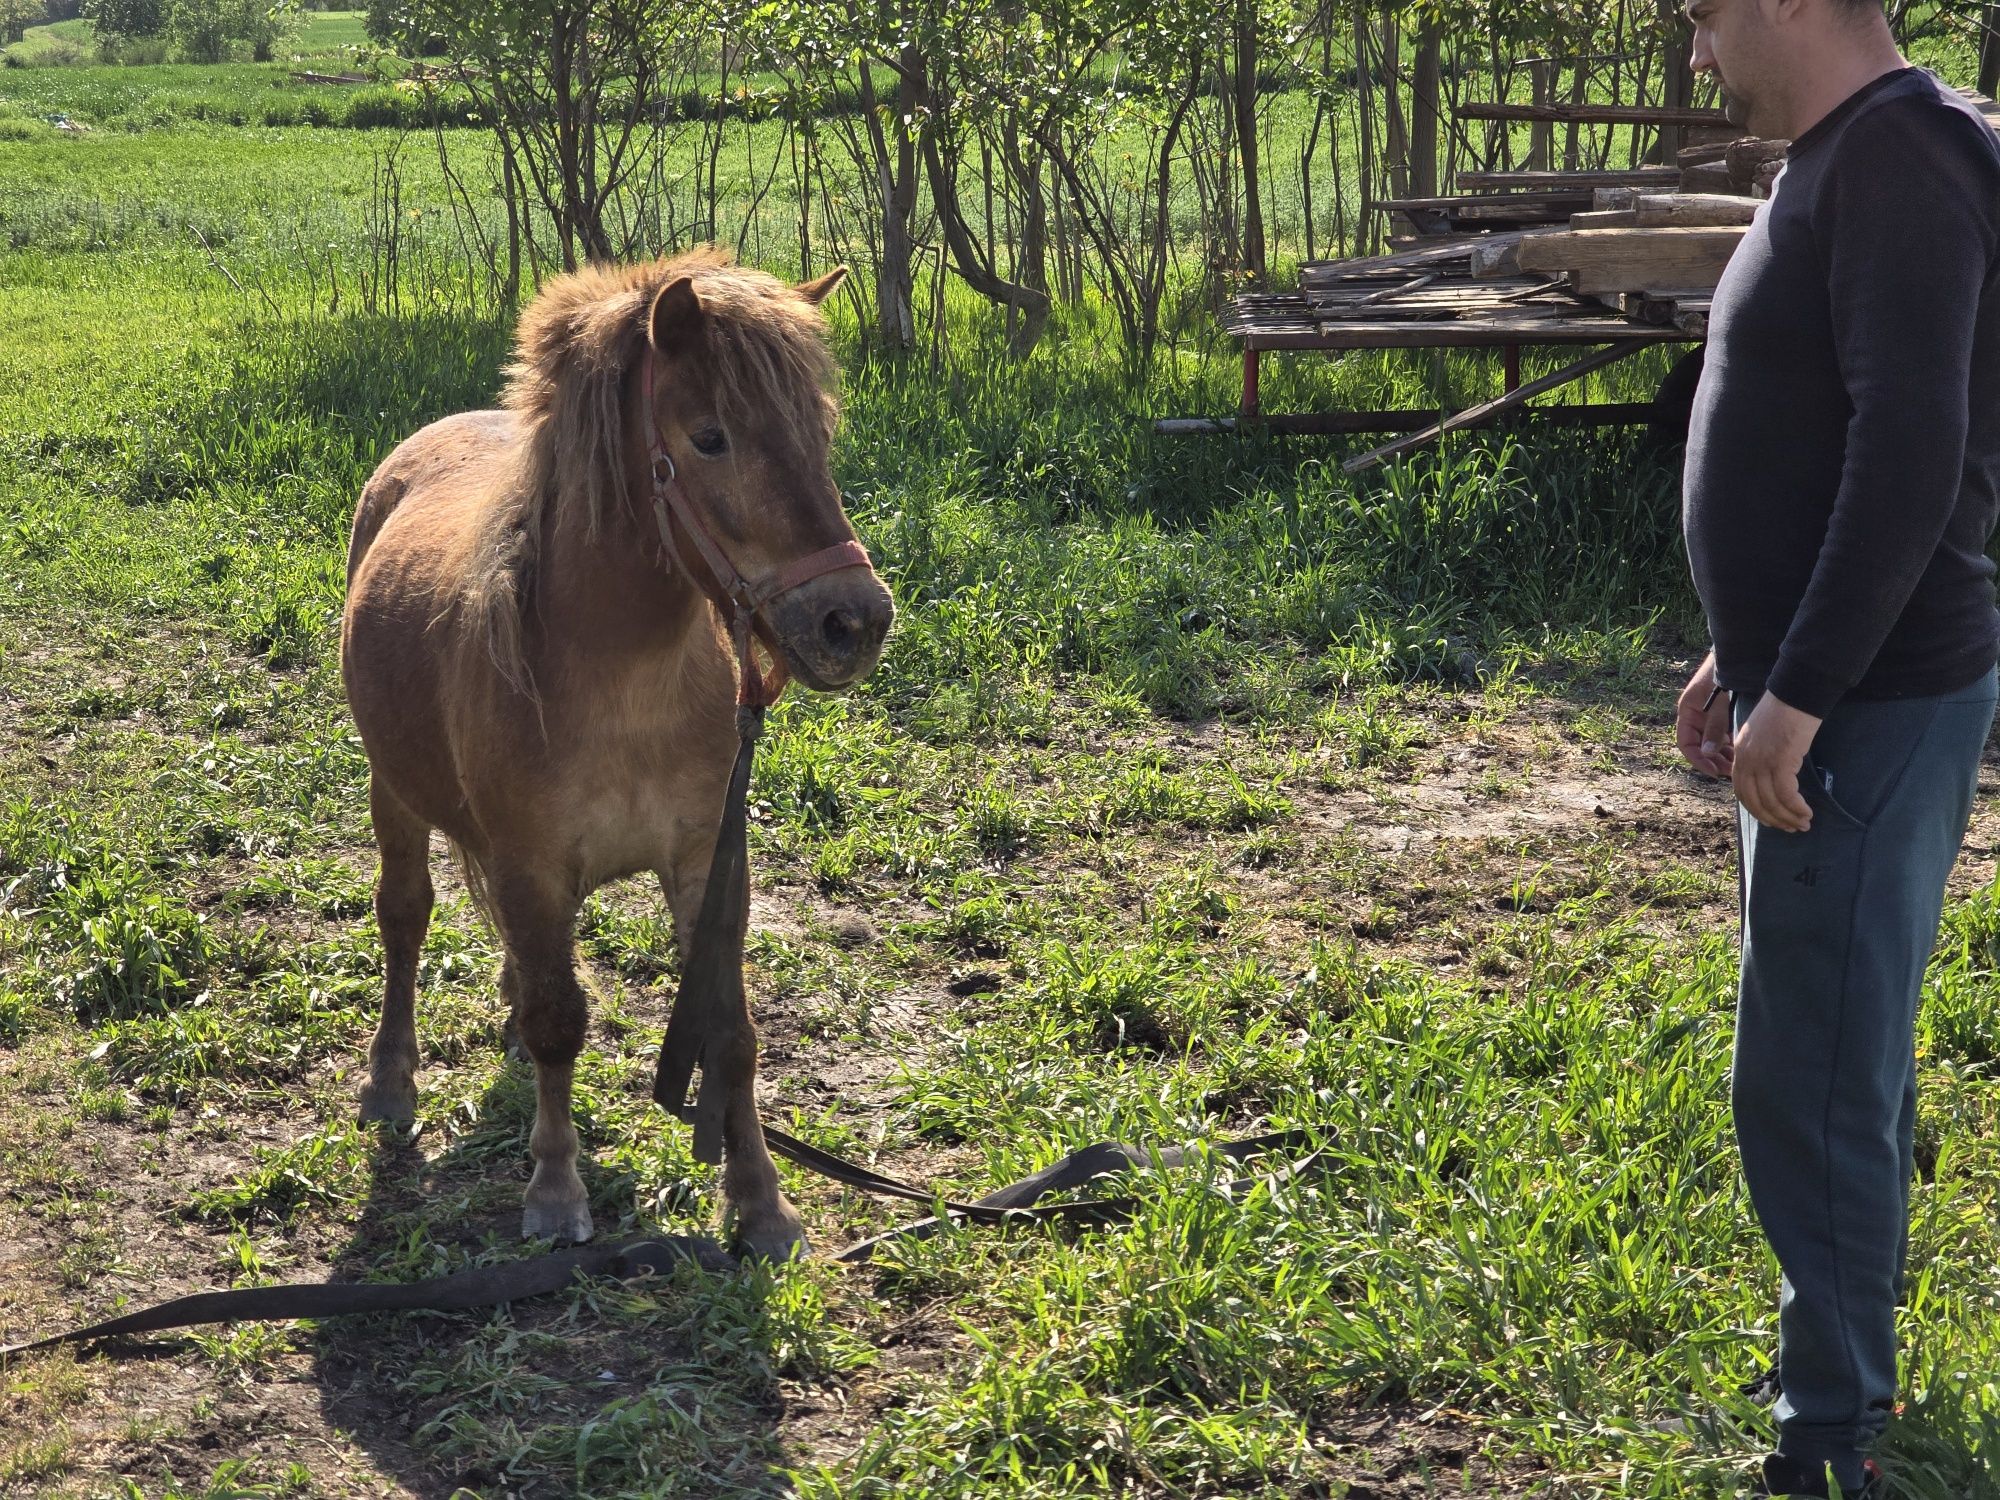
1787, 1476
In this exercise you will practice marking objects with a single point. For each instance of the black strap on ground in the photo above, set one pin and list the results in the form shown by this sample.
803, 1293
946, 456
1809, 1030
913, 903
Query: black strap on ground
510, 1281
710, 999
481, 1286
1021, 1202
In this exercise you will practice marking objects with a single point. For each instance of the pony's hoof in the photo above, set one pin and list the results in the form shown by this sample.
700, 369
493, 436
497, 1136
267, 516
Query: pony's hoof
773, 1235
396, 1104
557, 1221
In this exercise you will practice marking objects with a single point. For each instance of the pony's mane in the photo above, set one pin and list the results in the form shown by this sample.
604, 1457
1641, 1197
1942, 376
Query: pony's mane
576, 343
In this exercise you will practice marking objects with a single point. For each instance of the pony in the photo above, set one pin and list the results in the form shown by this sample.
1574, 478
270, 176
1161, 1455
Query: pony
535, 653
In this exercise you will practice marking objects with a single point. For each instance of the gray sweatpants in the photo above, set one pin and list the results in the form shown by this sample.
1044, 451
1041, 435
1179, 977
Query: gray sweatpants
1838, 924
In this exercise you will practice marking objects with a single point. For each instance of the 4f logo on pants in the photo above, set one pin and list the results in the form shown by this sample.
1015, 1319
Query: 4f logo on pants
1808, 875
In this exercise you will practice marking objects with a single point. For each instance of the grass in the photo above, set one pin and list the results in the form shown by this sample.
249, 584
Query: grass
1202, 790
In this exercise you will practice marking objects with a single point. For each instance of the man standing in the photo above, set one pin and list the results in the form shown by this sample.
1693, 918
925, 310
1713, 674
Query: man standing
1843, 477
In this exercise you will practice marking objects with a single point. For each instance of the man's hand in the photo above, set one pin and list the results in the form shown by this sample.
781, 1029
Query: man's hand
1769, 752
1701, 723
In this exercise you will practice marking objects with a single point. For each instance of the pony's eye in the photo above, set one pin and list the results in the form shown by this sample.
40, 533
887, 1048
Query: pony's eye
710, 440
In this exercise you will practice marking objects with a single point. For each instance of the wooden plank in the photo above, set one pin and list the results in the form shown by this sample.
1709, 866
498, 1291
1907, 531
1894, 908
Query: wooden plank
1694, 210
1483, 333
1592, 114
1619, 260
1467, 202
1398, 291
1450, 299
1500, 258
1709, 177
1341, 423
1696, 137
1406, 261
1696, 156
1608, 218
1588, 327
1500, 214
1660, 210
1750, 160
1566, 182
1486, 411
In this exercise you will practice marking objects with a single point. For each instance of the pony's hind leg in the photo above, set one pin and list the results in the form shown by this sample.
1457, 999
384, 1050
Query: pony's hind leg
403, 901
766, 1222
551, 1013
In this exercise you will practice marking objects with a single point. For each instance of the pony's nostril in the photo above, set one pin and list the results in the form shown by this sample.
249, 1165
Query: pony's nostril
842, 630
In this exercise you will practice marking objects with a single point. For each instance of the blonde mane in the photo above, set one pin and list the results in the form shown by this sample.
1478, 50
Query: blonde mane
575, 345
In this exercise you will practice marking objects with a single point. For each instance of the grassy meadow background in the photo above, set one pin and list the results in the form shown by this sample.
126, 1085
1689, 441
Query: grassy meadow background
1202, 790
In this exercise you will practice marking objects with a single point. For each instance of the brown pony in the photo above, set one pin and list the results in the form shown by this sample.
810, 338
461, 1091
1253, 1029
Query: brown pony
536, 675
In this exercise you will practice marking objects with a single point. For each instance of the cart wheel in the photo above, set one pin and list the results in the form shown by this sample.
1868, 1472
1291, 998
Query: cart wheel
1673, 402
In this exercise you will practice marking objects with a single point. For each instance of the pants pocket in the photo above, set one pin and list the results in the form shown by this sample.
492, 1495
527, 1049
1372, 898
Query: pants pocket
1816, 785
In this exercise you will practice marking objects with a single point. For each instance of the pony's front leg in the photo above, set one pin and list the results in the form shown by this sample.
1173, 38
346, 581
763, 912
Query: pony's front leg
539, 978
766, 1222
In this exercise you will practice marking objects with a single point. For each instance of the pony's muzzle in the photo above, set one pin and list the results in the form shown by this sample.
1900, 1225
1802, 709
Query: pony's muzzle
832, 629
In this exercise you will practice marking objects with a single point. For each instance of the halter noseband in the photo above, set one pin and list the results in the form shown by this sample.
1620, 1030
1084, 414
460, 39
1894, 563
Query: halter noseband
739, 600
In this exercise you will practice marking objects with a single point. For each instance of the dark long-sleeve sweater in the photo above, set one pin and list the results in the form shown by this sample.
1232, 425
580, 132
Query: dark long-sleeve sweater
1843, 466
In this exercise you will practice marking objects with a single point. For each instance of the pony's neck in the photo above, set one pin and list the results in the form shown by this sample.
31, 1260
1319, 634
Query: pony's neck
612, 596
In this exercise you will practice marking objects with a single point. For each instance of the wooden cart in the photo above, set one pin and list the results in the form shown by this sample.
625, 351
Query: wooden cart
1427, 296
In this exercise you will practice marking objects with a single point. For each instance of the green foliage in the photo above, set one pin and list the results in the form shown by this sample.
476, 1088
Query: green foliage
318, 1172
16, 16
116, 19
208, 31
137, 951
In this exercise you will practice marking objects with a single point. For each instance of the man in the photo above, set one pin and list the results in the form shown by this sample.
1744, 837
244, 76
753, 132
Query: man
1843, 476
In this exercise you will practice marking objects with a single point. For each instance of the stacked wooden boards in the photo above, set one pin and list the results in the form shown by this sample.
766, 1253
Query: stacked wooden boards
1654, 256
1425, 299
1503, 200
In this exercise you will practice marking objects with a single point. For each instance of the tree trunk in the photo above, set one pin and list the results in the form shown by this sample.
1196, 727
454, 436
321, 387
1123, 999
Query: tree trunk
1677, 86
1426, 109
1246, 136
1364, 222
1031, 268
1989, 53
1540, 134
1392, 96
1160, 251
896, 183
977, 272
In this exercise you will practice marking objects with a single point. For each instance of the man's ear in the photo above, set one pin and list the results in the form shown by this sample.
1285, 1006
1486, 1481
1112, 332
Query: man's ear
677, 322
818, 291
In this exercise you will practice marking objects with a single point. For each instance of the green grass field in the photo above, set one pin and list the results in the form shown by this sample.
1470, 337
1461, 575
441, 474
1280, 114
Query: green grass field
1201, 791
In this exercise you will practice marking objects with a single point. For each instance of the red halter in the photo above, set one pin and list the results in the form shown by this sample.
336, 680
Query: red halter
740, 600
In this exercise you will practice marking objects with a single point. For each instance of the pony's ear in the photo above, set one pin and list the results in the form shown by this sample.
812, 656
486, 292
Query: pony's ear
818, 291
676, 320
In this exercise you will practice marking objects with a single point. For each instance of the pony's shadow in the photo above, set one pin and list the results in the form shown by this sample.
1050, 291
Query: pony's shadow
603, 1388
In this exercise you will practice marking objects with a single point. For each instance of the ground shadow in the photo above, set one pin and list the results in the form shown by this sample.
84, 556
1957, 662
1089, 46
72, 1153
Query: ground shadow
659, 1386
